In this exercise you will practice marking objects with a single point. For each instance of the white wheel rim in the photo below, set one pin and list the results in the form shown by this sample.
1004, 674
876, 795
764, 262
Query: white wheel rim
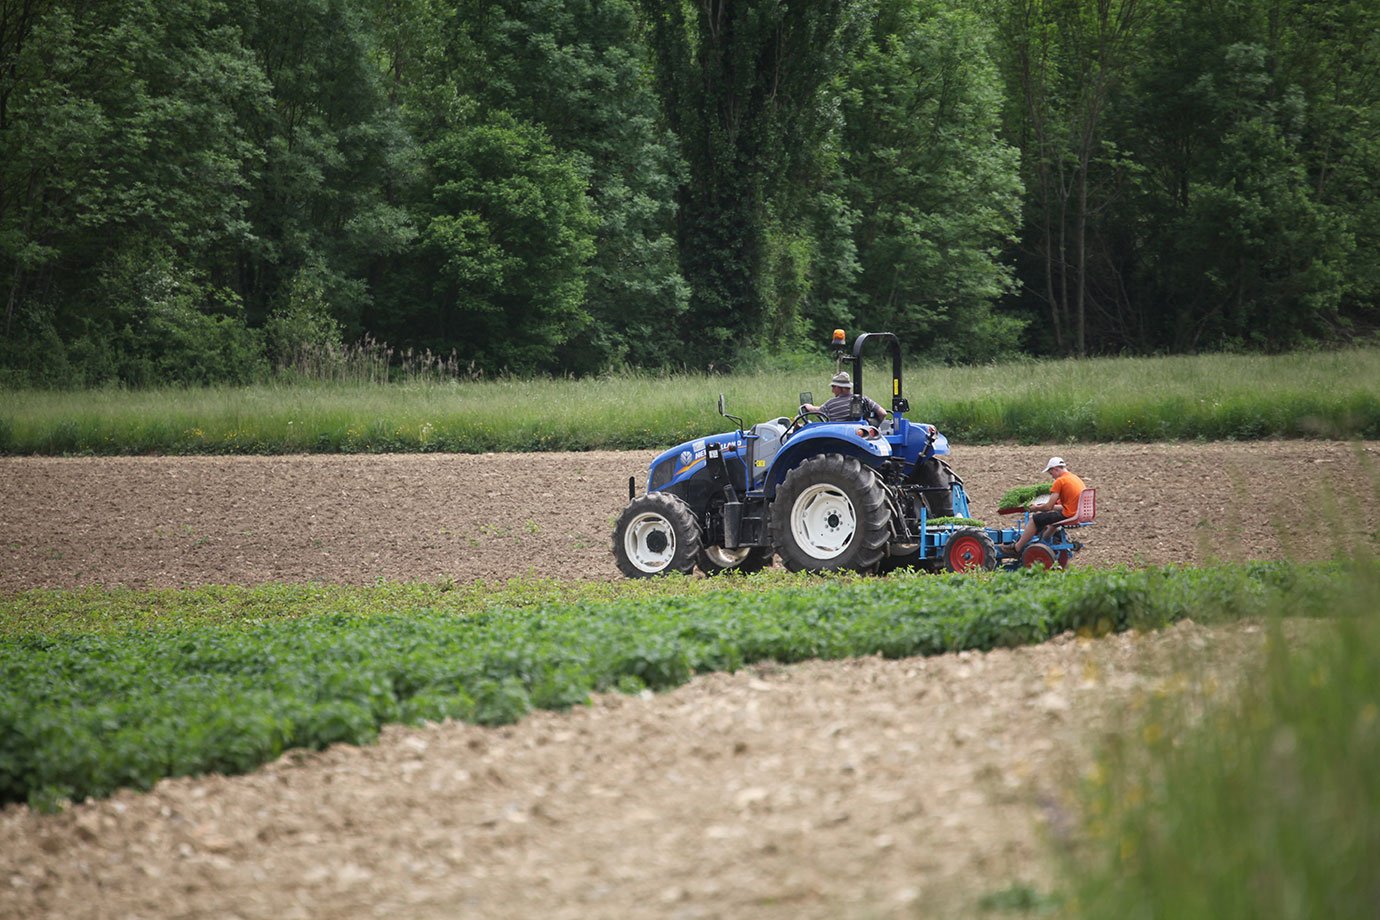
645, 532
727, 558
823, 522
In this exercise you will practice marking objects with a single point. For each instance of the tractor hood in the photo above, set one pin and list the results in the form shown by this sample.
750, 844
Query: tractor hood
685, 459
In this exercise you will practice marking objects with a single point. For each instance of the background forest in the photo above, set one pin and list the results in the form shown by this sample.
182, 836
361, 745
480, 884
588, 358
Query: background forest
196, 191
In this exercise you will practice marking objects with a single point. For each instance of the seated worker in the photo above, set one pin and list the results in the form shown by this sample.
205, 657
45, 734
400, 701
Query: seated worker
1060, 503
837, 409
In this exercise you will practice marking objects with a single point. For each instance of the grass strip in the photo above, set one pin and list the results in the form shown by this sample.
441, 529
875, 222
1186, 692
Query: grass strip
86, 713
1210, 397
1265, 803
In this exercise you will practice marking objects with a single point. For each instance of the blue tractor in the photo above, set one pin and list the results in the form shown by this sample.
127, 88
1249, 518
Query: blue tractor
821, 495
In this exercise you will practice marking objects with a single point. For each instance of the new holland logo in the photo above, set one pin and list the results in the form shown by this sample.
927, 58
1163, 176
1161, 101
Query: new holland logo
686, 458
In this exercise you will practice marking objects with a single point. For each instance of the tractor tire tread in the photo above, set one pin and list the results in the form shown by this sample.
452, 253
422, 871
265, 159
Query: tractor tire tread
869, 501
678, 514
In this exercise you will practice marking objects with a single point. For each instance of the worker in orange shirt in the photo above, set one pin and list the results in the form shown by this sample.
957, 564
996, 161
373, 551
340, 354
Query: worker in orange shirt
1060, 503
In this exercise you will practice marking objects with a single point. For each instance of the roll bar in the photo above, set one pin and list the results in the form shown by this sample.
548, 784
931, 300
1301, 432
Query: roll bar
899, 404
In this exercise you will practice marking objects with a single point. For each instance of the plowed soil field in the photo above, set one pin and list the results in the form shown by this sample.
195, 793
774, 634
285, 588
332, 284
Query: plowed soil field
865, 788
162, 521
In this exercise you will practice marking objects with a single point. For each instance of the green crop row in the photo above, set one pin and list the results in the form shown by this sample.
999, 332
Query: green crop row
1323, 394
116, 609
85, 713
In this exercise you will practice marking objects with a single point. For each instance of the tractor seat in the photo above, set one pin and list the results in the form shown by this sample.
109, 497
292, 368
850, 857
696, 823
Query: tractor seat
763, 448
1082, 516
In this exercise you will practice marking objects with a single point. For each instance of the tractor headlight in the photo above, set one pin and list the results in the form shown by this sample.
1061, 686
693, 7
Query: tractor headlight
662, 473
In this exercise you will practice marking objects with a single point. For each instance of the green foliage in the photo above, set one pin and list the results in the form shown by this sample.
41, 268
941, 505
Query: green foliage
120, 143
1246, 250
576, 69
169, 328
747, 89
87, 712
936, 190
585, 186
1022, 496
511, 232
1189, 171
955, 522
1263, 803
332, 154
302, 337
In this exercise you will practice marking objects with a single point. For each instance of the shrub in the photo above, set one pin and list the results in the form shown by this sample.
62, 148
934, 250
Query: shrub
168, 327
302, 335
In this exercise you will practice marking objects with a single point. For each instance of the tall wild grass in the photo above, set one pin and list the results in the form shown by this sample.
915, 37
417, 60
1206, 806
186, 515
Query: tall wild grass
1266, 805
1314, 394
1257, 800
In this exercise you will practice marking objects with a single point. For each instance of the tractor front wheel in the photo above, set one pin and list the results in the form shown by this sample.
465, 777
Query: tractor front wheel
830, 514
970, 550
655, 535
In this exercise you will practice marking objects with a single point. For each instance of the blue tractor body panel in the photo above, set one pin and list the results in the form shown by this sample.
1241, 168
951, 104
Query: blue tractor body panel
681, 463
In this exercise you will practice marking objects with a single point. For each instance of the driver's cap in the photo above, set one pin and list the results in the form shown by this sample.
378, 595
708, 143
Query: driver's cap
1053, 462
841, 379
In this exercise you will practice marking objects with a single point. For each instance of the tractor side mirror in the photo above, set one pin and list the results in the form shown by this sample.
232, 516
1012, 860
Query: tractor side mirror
855, 406
807, 397
732, 418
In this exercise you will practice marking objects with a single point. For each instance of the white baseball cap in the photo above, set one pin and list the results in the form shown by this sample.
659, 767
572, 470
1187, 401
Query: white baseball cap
1053, 462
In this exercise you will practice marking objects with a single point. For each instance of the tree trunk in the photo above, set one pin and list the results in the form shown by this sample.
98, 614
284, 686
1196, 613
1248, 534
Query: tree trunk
1081, 262
12, 300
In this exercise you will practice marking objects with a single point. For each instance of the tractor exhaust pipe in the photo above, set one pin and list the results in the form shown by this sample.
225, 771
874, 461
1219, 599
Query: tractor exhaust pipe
632, 487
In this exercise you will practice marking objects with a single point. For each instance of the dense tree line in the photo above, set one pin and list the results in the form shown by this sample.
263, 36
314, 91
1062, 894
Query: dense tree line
200, 190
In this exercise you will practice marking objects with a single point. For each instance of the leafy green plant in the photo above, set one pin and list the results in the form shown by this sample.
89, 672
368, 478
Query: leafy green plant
87, 711
1022, 496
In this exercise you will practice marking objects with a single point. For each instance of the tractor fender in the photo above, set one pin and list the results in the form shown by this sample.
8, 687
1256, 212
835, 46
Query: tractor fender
915, 443
829, 439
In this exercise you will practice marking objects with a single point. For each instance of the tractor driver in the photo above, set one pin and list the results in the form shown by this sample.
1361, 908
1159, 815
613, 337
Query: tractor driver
1060, 503
837, 408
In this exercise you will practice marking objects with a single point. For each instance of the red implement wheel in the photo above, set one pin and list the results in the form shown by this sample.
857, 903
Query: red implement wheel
1037, 554
970, 549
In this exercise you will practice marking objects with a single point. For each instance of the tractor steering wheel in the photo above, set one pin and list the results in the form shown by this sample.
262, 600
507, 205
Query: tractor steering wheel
802, 417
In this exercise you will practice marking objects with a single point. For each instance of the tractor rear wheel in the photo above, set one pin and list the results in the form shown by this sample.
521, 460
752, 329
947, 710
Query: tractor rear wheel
934, 474
830, 514
655, 535
970, 550
715, 560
